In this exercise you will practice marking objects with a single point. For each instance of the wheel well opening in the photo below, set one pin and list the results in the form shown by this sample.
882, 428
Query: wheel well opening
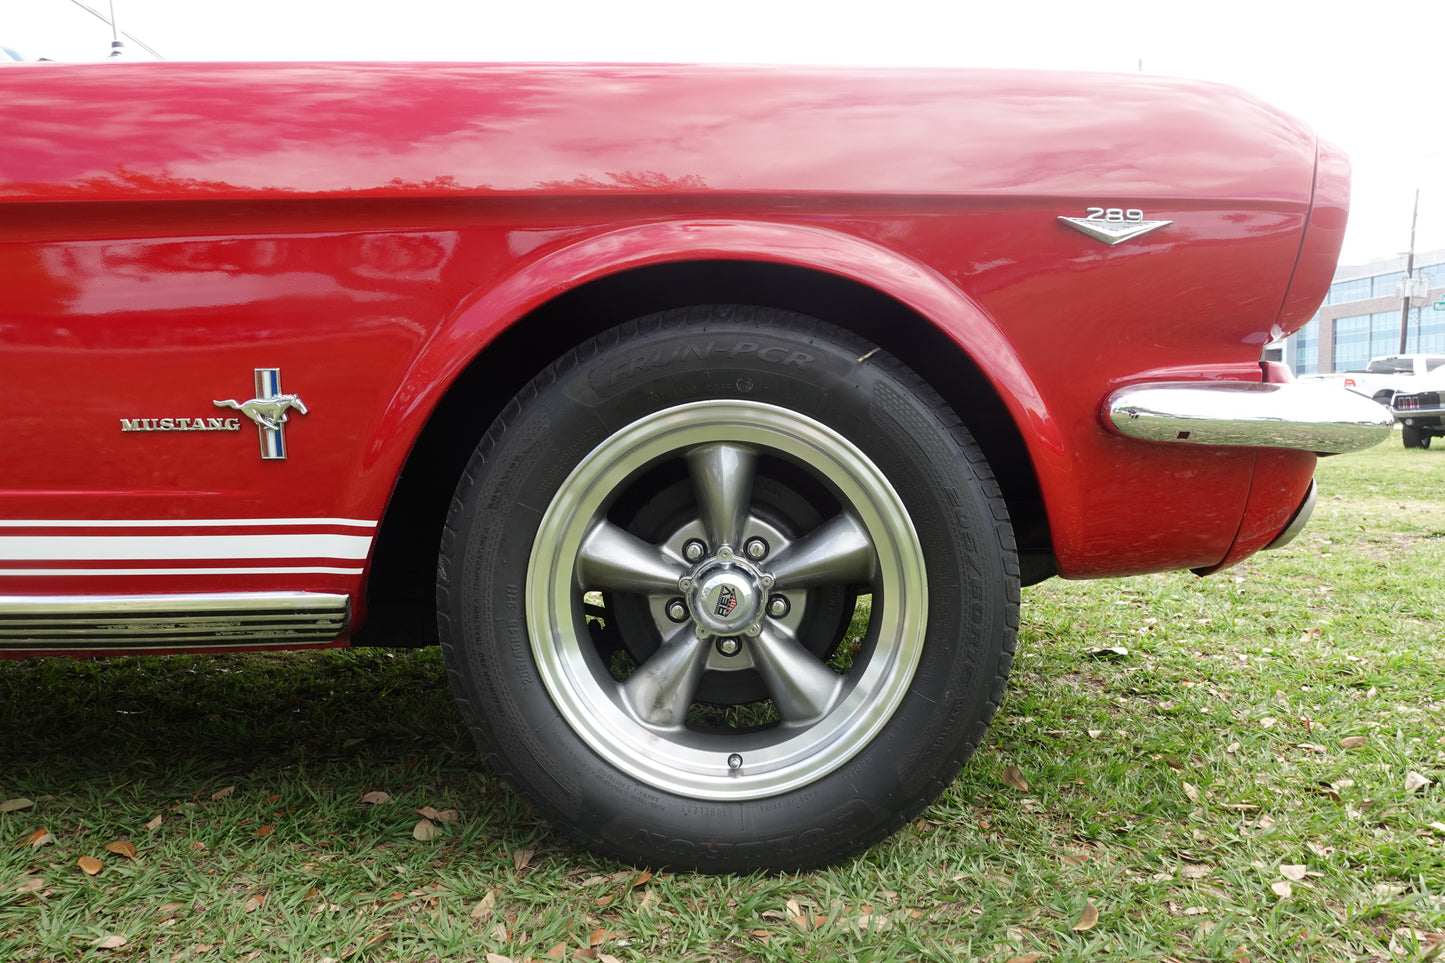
401, 588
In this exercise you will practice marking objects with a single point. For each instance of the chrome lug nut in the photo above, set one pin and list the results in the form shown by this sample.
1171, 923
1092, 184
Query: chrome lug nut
753, 630
735, 762
778, 606
728, 646
677, 610
757, 549
694, 550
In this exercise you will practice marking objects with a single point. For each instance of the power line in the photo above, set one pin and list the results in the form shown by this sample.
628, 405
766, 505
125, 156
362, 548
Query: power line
110, 22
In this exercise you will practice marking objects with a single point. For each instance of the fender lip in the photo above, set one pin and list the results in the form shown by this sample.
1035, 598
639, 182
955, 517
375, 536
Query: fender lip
1250, 414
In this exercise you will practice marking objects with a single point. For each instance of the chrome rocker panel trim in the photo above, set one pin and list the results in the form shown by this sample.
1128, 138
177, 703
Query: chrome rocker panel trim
141, 622
1306, 417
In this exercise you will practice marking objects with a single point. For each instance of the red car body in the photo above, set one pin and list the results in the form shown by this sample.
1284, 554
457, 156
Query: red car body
409, 245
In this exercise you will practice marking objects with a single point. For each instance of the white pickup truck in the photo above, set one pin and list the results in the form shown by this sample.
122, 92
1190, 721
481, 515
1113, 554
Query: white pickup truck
1389, 374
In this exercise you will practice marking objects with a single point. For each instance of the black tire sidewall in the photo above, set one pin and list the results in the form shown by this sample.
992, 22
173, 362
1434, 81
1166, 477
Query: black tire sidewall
773, 358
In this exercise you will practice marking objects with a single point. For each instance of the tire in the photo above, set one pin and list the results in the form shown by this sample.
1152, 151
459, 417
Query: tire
1414, 437
807, 466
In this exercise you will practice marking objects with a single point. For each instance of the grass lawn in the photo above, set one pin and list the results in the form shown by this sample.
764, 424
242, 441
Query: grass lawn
1249, 766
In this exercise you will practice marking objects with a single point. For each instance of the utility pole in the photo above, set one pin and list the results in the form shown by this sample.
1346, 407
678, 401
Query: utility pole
1408, 287
117, 49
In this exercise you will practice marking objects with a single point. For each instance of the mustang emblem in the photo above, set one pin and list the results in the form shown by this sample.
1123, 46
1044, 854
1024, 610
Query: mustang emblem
268, 410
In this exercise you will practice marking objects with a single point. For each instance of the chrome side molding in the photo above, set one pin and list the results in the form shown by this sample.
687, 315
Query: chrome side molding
144, 622
1308, 417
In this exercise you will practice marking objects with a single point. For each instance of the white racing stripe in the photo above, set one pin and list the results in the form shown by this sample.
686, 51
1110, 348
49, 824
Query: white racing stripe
36, 548
186, 523
256, 570
249, 553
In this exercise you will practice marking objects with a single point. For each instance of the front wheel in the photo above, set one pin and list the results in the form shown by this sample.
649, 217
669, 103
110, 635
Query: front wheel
727, 589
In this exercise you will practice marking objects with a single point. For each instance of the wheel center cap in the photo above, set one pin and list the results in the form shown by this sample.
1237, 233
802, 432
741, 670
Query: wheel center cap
725, 598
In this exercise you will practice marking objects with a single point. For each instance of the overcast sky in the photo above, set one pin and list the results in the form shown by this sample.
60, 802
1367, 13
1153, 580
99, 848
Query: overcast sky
1369, 75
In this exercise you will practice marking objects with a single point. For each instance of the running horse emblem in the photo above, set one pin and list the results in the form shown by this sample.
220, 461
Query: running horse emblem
268, 410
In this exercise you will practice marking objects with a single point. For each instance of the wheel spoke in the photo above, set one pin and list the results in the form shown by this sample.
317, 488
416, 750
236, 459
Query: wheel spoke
838, 552
722, 477
660, 691
611, 558
802, 687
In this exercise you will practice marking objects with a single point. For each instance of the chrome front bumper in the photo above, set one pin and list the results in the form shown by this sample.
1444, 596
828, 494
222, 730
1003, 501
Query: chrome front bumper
1306, 417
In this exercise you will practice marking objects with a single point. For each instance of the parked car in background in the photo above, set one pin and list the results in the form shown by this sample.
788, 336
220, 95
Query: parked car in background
636, 386
1420, 412
1388, 374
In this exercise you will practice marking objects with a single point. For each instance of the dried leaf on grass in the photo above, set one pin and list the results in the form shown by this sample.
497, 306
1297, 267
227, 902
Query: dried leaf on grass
90, 864
1353, 742
1293, 871
1013, 777
439, 815
1108, 652
253, 902
41, 837
112, 942
1282, 889
522, 858
375, 798
1196, 870
1026, 958
154, 824
31, 884
1414, 782
121, 847
1089, 919
498, 958
485, 906
1191, 791
425, 830
15, 805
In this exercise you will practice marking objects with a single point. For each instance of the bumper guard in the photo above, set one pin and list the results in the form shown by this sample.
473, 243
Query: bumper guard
1306, 417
